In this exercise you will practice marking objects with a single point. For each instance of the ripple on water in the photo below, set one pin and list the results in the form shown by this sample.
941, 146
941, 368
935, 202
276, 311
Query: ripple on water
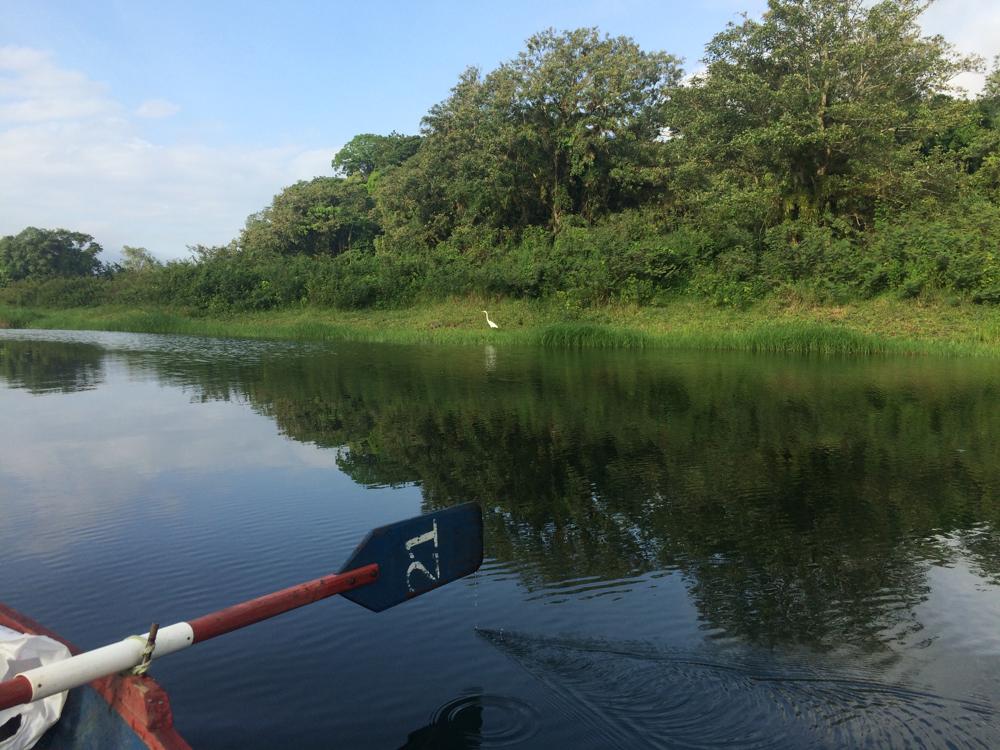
481, 720
635, 695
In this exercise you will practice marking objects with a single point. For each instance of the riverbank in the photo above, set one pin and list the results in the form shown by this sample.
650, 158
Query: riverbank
870, 327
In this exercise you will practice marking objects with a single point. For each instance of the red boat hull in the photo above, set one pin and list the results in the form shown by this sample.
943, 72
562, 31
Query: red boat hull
135, 706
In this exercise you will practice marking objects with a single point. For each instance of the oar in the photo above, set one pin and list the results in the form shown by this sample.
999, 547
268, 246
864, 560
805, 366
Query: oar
392, 564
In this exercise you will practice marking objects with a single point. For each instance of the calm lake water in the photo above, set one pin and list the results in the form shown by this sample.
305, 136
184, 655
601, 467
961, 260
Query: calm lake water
683, 550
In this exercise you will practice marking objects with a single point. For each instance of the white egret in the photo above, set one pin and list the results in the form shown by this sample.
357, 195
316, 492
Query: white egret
491, 323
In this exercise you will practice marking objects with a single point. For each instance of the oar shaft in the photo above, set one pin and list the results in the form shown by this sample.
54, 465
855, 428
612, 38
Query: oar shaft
240, 615
56, 677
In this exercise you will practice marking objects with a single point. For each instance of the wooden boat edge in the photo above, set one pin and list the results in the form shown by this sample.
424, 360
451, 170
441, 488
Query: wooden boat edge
140, 701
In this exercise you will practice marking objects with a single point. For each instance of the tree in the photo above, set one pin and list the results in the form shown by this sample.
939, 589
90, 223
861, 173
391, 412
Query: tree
984, 149
42, 253
459, 176
822, 106
586, 109
990, 97
569, 127
368, 152
323, 216
138, 259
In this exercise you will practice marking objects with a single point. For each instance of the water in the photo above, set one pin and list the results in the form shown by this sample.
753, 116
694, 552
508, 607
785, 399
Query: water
683, 550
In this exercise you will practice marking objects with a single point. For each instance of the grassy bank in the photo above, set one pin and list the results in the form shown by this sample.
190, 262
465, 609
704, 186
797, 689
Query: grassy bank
873, 327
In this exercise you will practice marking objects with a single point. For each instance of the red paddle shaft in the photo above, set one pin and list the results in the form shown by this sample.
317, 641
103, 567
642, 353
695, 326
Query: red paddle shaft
53, 678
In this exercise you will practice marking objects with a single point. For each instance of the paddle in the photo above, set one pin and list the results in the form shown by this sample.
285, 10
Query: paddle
392, 564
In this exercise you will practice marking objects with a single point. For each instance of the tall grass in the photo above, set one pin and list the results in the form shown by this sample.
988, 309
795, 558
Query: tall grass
866, 330
14, 317
590, 336
800, 337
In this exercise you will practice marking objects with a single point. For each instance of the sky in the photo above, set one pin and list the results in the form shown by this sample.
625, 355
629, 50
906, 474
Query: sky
165, 125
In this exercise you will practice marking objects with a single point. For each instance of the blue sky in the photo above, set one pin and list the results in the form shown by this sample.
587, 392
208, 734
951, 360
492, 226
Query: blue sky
166, 124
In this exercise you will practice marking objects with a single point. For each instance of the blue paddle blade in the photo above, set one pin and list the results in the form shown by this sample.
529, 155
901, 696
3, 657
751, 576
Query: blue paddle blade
417, 555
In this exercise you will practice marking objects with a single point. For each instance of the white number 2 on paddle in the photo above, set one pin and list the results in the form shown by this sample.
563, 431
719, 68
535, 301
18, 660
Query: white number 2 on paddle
417, 565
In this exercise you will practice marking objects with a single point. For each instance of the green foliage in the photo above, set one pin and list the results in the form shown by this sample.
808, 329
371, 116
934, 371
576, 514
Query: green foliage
57, 292
830, 98
732, 279
323, 216
589, 336
567, 128
821, 258
232, 284
821, 156
516, 268
359, 279
589, 109
138, 260
41, 253
368, 153
348, 282
597, 263
926, 250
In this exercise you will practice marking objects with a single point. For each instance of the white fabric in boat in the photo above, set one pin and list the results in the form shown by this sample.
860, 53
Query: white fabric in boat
19, 653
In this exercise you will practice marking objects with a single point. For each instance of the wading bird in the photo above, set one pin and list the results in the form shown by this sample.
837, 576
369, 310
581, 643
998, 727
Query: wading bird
491, 323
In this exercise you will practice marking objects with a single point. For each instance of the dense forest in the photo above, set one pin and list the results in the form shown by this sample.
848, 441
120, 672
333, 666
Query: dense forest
821, 153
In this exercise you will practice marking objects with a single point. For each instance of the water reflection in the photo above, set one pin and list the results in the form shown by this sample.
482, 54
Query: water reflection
804, 501
51, 366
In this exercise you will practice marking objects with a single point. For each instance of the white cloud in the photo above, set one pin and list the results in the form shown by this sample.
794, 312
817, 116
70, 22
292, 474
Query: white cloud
973, 26
34, 89
157, 108
74, 157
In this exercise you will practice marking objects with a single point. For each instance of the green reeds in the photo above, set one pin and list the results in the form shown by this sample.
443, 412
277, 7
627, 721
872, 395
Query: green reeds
14, 317
864, 330
799, 337
590, 336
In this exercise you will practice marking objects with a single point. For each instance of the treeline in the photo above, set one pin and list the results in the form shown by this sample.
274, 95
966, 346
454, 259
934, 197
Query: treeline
820, 154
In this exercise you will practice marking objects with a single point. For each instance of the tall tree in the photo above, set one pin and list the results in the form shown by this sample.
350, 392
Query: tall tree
138, 259
820, 104
586, 108
323, 216
368, 152
460, 176
985, 148
41, 253
569, 126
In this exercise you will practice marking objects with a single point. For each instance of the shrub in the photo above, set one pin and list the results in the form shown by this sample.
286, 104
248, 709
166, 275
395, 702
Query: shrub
57, 292
628, 257
819, 259
922, 250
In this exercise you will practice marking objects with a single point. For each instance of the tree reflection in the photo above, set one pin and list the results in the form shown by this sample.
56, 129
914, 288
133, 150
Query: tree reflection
803, 500
51, 366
